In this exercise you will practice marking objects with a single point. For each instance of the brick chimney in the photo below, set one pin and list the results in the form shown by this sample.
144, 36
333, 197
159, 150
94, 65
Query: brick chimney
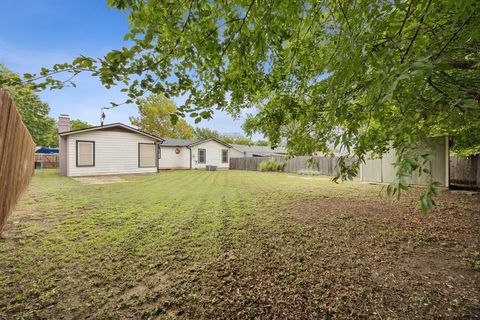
63, 123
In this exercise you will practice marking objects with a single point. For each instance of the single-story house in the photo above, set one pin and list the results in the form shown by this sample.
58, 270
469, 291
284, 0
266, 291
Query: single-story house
383, 171
120, 149
193, 154
109, 149
246, 151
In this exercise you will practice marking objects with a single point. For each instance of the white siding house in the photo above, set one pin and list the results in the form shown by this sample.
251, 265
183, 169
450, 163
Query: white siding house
120, 149
215, 153
173, 157
193, 154
105, 150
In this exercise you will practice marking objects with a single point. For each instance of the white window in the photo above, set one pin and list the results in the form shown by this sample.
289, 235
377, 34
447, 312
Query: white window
224, 155
85, 153
202, 156
146, 155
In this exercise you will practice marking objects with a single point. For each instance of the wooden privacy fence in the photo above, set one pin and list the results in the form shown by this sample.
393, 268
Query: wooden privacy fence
325, 165
17, 151
49, 161
465, 171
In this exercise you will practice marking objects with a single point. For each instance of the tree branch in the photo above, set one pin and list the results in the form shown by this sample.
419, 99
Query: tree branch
239, 29
416, 32
406, 18
453, 36
345, 16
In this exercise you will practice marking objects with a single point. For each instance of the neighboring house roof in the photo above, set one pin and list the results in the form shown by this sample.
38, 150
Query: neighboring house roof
170, 142
110, 126
260, 150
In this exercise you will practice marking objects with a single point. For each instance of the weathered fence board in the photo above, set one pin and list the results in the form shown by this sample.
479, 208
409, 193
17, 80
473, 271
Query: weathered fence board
17, 151
465, 171
325, 165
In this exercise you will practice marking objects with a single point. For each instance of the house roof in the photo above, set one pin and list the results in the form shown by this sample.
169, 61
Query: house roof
170, 142
110, 126
259, 150
210, 139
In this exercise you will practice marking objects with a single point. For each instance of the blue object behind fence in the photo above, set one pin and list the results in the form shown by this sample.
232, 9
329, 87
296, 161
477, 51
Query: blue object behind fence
47, 150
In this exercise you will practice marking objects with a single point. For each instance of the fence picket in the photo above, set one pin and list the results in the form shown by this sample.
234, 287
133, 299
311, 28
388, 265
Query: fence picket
17, 151
325, 165
465, 171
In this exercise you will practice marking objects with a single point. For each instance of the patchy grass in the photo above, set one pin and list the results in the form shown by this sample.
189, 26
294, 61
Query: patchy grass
197, 244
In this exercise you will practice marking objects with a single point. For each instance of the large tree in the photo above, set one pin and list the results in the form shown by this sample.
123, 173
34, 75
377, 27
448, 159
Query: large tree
155, 113
205, 133
77, 124
365, 76
34, 112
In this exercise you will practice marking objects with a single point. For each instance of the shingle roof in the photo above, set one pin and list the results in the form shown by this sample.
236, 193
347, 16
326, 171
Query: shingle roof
109, 126
171, 142
259, 149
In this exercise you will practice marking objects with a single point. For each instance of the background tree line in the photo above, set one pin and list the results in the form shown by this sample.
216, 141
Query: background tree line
154, 117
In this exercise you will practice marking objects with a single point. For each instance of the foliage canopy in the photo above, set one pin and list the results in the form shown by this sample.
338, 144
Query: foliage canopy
365, 76
205, 133
34, 112
77, 124
155, 117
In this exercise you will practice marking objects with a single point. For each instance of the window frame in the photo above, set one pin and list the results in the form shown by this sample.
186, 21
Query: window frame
205, 157
76, 153
155, 152
226, 158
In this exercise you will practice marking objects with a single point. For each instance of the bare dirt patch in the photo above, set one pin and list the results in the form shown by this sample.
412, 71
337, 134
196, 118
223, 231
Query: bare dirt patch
100, 179
414, 266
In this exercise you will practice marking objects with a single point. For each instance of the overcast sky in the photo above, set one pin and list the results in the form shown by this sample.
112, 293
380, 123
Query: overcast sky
39, 33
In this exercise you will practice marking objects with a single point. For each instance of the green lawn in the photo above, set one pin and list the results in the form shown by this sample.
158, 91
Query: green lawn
236, 244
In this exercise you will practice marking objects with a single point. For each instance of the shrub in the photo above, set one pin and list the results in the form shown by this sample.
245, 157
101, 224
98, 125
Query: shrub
272, 165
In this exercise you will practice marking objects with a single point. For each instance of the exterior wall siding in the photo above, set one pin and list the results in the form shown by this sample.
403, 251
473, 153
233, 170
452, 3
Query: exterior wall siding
234, 153
171, 160
214, 155
116, 152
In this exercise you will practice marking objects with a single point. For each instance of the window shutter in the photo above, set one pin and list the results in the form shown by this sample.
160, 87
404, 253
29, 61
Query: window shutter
85, 152
146, 157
